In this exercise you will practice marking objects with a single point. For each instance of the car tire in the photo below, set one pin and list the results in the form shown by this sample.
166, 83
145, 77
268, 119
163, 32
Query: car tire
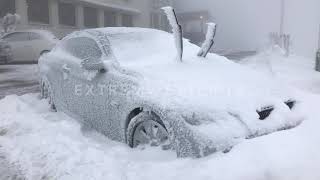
46, 93
147, 128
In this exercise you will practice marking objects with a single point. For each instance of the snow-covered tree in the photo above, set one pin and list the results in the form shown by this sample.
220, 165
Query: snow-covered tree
10, 22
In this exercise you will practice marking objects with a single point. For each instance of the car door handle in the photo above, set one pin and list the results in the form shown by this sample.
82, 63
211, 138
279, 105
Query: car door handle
66, 69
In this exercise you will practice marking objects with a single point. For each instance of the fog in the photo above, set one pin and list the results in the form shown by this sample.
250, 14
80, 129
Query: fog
244, 25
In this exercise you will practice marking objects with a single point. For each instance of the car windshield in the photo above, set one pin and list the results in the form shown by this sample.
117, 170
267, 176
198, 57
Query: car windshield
142, 46
82, 48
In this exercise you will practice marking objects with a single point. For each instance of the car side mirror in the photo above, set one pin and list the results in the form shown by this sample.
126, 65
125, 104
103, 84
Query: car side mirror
90, 65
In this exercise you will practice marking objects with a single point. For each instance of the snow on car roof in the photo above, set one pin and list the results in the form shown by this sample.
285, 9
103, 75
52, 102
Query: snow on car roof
140, 46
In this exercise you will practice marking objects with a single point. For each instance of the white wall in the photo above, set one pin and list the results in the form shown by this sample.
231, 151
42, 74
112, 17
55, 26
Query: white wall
245, 24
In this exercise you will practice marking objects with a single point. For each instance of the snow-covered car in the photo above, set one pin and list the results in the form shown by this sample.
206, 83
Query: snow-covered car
128, 84
28, 45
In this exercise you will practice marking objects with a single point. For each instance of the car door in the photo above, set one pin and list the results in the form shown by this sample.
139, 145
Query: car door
38, 45
80, 86
20, 46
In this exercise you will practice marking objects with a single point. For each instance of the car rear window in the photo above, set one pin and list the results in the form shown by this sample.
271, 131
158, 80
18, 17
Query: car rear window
34, 36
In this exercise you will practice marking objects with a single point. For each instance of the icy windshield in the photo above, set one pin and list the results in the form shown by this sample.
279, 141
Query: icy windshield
141, 46
82, 48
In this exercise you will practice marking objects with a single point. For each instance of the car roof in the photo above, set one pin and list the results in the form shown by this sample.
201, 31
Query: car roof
136, 45
44, 33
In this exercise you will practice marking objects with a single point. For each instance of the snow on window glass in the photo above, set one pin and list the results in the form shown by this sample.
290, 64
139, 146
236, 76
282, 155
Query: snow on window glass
34, 36
83, 48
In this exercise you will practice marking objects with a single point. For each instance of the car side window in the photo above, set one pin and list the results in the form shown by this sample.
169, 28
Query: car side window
83, 48
17, 36
34, 36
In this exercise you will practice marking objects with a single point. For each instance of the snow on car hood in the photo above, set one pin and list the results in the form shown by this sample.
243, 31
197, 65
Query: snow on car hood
218, 86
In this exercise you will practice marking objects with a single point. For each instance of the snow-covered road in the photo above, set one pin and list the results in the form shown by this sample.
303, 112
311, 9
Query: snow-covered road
46, 145
18, 79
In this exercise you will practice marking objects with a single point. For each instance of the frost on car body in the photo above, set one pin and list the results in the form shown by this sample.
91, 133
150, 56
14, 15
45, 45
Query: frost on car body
205, 105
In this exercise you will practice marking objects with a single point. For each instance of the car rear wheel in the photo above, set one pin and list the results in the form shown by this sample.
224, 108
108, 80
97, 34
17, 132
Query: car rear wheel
147, 129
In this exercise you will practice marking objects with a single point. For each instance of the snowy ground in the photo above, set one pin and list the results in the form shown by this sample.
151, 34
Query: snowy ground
39, 144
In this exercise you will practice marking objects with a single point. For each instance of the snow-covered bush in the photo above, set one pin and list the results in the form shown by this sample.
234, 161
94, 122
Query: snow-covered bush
281, 40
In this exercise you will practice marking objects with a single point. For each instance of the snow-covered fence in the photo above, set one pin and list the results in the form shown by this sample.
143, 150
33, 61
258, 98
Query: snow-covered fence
281, 40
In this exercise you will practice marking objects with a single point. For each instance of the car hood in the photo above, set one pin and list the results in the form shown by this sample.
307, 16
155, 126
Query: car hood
224, 94
215, 82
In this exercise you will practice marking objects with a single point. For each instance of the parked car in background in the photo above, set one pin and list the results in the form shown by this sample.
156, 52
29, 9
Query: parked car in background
26, 46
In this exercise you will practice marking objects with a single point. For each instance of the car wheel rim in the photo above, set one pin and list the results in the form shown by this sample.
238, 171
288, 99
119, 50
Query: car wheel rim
150, 133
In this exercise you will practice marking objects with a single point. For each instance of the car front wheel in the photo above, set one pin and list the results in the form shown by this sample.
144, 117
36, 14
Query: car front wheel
147, 129
46, 93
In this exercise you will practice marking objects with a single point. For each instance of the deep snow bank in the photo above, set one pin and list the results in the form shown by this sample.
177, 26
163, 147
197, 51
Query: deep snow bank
47, 145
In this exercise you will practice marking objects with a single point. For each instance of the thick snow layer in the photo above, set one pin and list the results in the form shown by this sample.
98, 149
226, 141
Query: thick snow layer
47, 145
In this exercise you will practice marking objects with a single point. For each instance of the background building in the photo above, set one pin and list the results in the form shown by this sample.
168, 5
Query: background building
64, 16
